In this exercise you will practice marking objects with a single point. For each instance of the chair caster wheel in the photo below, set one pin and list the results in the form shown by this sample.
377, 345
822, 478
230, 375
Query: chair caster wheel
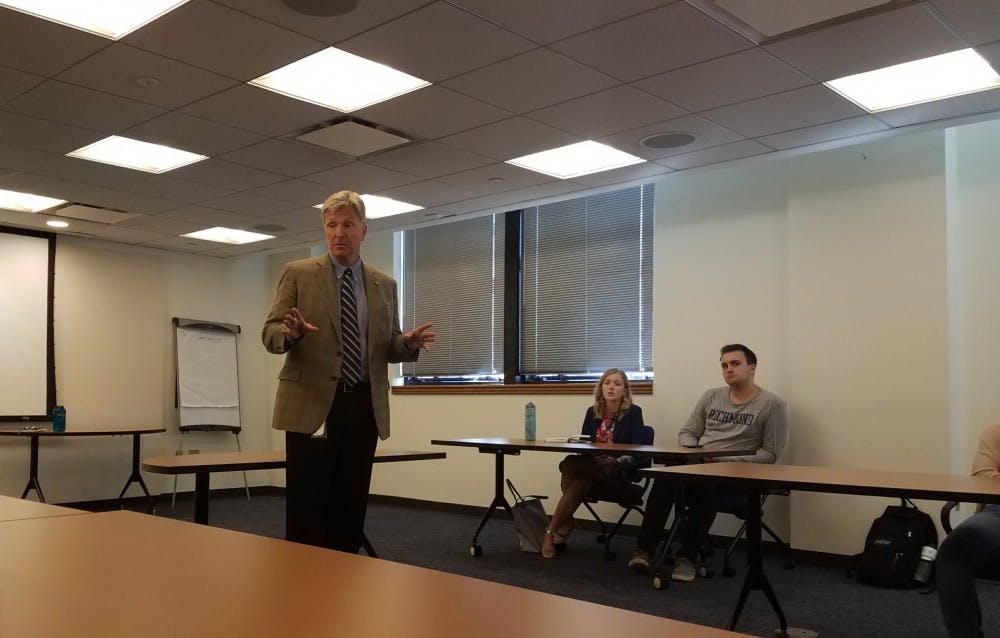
476, 551
728, 572
660, 582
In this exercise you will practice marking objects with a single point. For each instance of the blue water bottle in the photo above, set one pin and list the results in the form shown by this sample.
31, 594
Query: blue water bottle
529, 421
59, 419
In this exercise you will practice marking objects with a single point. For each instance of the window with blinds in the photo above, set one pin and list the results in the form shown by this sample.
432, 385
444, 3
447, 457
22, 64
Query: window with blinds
453, 277
586, 279
587, 284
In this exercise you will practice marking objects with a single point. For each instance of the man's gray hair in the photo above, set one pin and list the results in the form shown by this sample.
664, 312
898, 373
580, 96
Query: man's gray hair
345, 198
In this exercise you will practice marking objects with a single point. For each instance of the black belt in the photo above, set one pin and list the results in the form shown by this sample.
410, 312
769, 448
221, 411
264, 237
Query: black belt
363, 386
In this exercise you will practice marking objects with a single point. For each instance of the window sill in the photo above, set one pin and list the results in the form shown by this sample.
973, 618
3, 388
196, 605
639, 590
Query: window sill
638, 387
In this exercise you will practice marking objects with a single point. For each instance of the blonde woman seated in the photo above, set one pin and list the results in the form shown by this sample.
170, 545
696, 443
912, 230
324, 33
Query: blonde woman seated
612, 419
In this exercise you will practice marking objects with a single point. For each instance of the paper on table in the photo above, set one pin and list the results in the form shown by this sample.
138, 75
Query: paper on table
576, 438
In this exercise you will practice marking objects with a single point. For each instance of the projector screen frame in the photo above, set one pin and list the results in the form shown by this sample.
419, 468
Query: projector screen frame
50, 365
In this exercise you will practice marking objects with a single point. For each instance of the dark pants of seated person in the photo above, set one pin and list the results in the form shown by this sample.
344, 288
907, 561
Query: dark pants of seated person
327, 478
703, 503
970, 549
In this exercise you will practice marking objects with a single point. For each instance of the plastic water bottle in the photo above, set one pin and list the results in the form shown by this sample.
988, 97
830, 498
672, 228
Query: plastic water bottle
59, 419
529, 421
927, 556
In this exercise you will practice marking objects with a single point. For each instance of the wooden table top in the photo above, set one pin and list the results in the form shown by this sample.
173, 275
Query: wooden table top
107, 431
941, 487
114, 574
14, 509
655, 451
271, 459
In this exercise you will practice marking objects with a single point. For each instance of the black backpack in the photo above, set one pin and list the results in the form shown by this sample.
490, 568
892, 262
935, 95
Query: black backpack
892, 548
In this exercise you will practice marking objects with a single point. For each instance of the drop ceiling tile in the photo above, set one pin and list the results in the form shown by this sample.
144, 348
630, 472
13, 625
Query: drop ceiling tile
160, 224
654, 42
289, 158
333, 29
554, 20
181, 244
70, 104
428, 193
226, 174
206, 217
247, 204
298, 191
113, 232
629, 174
715, 155
531, 81
873, 42
297, 220
705, 134
179, 191
43, 135
513, 200
223, 40
978, 21
361, 177
13, 83
40, 46
726, 80
478, 180
192, 134
786, 111
605, 112
429, 160
850, 127
510, 138
259, 110
18, 158
462, 42
971, 104
418, 113
118, 68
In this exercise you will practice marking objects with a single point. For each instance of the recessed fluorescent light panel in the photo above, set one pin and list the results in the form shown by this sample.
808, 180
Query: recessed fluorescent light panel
112, 19
141, 156
582, 158
377, 206
228, 235
26, 202
339, 80
919, 81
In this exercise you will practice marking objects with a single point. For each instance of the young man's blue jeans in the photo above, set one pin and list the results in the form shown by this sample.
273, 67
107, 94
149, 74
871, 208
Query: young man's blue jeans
971, 549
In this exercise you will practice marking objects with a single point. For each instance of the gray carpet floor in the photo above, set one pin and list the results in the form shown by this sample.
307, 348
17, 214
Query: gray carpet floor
821, 599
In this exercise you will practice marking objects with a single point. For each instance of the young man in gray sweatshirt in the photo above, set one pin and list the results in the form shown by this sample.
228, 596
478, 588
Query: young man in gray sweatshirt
738, 416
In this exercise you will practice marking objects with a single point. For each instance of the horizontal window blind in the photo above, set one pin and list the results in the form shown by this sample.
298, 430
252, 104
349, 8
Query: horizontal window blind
588, 283
453, 277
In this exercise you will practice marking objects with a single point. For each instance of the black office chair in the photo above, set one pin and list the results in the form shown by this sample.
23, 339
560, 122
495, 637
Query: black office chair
738, 509
628, 496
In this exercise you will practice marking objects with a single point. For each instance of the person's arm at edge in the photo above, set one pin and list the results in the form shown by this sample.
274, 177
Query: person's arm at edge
987, 459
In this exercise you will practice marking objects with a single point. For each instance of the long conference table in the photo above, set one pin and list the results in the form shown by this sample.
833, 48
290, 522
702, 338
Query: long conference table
37, 433
123, 574
503, 447
757, 478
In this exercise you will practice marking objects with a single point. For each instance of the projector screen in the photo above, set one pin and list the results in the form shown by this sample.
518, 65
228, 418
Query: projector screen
27, 371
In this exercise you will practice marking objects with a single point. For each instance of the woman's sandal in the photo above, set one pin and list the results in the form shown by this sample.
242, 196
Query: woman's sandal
560, 537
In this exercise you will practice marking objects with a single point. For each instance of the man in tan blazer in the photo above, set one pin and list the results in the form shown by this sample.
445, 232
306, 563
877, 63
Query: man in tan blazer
336, 371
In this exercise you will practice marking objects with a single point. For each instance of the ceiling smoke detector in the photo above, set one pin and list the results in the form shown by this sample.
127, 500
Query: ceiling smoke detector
667, 140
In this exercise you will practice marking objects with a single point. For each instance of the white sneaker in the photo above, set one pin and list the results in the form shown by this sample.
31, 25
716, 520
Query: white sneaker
684, 570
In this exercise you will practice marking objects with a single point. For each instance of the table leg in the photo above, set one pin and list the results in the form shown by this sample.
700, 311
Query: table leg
136, 477
755, 576
201, 481
33, 471
499, 500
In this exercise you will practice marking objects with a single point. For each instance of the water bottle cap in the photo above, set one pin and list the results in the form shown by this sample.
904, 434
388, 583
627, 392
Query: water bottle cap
928, 553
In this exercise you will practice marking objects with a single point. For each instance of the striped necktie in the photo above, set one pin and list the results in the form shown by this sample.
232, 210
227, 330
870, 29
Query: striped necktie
351, 366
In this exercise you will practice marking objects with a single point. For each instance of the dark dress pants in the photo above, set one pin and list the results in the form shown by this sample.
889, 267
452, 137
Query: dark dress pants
328, 478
